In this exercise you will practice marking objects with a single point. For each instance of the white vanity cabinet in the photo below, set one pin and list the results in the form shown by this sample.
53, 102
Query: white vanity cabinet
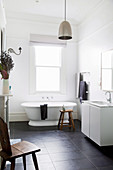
95, 124
85, 119
98, 123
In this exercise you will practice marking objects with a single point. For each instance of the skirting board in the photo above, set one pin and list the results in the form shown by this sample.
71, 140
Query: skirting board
16, 117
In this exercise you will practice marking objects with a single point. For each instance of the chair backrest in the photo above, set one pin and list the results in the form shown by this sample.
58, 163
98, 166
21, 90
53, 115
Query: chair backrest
4, 137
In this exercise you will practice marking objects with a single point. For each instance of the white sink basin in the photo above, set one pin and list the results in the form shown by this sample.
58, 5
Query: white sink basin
101, 103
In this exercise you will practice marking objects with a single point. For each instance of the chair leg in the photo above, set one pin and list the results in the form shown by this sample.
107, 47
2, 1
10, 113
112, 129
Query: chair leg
35, 161
13, 164
3, 164
24, 162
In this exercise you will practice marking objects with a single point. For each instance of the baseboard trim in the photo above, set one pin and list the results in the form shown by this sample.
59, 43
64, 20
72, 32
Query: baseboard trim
19, 117
16, 117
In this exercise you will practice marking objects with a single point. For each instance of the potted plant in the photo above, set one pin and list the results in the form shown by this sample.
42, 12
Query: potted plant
6, 65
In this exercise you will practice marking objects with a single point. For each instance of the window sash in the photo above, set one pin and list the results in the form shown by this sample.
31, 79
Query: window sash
48, 80
33, 74
48, 56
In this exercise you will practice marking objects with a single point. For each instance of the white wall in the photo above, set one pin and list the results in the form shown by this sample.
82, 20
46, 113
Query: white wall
2, 16
95, 36
2, 21
19, 28
2, 25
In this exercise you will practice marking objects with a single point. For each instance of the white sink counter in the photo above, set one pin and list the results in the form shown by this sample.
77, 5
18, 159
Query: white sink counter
101, 103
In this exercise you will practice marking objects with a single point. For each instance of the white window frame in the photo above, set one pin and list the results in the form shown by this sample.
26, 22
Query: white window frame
33, 73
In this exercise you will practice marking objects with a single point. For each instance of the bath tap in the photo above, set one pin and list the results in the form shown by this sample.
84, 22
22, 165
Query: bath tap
108, 99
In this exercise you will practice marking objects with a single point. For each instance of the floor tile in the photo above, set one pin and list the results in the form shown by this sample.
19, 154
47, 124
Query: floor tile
102, 161
60, 145
44, 158
106, 168
73, 164
92, 152
66, 156
61, 150
46, 166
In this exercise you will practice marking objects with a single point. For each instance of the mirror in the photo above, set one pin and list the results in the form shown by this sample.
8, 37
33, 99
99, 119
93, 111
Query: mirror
107, 70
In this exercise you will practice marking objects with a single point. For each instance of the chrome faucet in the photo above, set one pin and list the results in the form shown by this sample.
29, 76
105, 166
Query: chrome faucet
108, 99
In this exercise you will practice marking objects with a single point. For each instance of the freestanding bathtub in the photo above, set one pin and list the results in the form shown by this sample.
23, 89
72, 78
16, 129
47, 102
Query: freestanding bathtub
32, 110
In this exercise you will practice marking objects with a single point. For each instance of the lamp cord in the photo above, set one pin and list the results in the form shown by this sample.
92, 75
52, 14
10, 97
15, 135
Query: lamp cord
65, 10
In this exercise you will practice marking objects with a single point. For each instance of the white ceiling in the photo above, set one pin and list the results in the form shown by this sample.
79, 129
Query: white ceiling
77, 10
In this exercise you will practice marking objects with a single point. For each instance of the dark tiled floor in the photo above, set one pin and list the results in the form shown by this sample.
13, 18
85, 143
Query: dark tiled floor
62, 150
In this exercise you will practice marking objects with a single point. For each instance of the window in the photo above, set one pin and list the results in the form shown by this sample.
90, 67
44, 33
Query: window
48, 65
47, 68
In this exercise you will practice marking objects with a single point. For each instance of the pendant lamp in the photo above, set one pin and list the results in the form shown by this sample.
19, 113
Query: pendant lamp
65, 32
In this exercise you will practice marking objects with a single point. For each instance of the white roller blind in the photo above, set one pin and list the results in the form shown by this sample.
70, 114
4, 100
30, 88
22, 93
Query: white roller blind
46, 39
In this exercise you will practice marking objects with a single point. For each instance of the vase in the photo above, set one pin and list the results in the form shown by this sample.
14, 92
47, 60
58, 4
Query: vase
5, 87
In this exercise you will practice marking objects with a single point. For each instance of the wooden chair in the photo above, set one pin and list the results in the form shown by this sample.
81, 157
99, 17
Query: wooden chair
11, 152
61, 119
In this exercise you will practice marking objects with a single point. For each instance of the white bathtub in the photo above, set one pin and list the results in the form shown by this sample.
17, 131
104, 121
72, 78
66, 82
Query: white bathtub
32, 110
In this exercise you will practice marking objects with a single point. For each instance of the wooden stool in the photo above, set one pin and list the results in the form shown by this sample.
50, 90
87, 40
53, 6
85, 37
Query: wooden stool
61, 119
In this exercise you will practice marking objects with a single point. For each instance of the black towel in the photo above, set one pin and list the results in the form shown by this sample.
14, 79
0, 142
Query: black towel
43, 111
83, 89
